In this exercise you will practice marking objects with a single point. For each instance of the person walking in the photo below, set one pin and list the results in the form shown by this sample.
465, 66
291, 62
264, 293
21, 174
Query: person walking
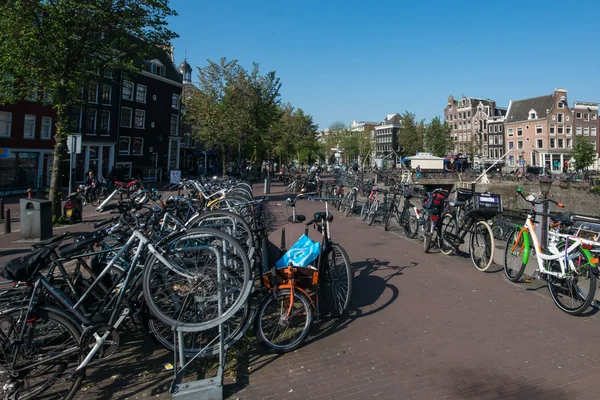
418, 171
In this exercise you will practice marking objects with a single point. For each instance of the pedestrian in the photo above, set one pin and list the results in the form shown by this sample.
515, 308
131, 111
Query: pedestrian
418, 171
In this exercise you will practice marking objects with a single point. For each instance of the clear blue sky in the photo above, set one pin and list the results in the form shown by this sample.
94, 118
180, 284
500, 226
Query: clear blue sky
345, 60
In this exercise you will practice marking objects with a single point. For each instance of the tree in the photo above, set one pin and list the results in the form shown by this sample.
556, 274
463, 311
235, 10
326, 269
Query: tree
437, 138
583, 153
294, 134
411, 136
56, 47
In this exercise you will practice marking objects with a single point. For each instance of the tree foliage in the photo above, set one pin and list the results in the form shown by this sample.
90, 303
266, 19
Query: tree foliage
55, 47
437, 138
411, 134
294, 135
583, 153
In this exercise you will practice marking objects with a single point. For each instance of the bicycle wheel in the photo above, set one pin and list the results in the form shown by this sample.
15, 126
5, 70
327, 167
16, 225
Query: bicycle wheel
481, 246
46, 359
336, 280
373, 212
498, 232
94, 197
427, 235
364, 212
188, 293
513, 256
387, 218
575, 292
225, 221
351, 206
282, 323
344, 204
409, 223
448, 226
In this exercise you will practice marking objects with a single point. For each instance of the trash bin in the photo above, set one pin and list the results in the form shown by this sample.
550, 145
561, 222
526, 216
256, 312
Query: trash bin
36, 219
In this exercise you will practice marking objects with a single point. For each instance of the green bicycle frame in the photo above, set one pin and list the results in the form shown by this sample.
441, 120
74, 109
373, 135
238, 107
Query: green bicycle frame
526, 244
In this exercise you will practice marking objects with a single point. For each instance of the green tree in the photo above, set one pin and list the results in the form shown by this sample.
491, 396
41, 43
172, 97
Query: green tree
294, 134
583, 153
437, 138
55, 47
411, 136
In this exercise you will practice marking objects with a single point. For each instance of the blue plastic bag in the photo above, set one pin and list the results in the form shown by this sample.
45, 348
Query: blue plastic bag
301, 254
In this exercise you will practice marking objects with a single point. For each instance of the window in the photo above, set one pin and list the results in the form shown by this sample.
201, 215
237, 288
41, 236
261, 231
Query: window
157, 68
586, 131
540, 143
491, 140
137, 149
568, 131
108, 74
127, 90
105, 123
500, 140
91, 122
519, 145
511, 145
29, 129
561, 144
174, 119
140, 93
5, 123
561, 104
593, 117
93, 93
519, 131
578, 115
532, 115
124, 145
552, 143
586, 117
76, 119
140, 119
126, 114
499, 128
560, 129
175, 101
552, 129
539, 130
593, 131
510, 131
106, 94
46, 132
578, 130
569, 144
561, 117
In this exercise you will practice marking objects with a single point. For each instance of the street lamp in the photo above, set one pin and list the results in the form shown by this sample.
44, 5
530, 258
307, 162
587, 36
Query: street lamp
545, 185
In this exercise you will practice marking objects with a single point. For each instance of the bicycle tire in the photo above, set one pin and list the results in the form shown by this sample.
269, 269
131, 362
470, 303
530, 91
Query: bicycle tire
305, 311
387, 219
577, 292
373, 212
498, 232
512, 245
486, 242
364, 212
448, 225
239, 228
71, 385
427, 233
237, 267
351, 207
332, 276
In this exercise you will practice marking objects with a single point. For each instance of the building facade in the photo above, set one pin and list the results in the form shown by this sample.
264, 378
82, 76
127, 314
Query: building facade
387, 139
495, 139
468, 118
27, 131
540, 131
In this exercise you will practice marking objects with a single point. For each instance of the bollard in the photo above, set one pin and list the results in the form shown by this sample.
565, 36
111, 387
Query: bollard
1, 209
267, 186
282, 248
7, 222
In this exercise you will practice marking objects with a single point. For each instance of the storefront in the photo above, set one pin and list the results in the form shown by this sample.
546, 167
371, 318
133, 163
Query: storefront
97, 157
21, 169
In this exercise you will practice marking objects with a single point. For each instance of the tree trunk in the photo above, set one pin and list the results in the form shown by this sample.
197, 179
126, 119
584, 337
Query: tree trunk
62, 124
224, 156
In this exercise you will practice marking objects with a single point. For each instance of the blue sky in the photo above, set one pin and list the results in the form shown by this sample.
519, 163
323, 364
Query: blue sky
345, 60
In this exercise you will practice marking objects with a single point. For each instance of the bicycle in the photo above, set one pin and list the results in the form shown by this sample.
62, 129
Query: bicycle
286, 312
470, 217
566, 263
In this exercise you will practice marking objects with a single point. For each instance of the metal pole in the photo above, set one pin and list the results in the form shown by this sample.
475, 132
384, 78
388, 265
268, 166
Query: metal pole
7, 222
494, 164
71, 164
1, 208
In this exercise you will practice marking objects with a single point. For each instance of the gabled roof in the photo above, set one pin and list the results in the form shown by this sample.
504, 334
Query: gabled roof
519, 109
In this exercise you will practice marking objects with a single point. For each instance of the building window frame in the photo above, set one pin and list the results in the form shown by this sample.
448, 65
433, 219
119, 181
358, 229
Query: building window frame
93, 93
560, 117
140, 93
127, 124
105, 132
569, 130
139, 115
553, 129
29, 126
578, 130
593, 131
519, 131
586, 131
5, 121
539, 130
128, 88
106, 89
174, 101
133, 143
46, 131
122, 140
173, 125
510, 132
578, 115
540, 143
519, 145
89, 113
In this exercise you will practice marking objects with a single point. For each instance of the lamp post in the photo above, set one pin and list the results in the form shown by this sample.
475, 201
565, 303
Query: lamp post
545, 185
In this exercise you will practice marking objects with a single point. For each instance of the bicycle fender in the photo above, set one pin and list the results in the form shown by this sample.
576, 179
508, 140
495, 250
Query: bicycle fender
527, 249
589, 256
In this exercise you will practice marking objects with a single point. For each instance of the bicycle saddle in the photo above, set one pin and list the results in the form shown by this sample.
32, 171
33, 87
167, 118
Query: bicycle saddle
320, 215
456, 203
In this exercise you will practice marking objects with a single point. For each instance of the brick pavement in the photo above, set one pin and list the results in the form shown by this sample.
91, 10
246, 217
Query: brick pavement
421, 326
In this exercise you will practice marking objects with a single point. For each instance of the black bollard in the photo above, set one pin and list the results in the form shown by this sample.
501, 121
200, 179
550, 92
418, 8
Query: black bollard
7, 222
1, 209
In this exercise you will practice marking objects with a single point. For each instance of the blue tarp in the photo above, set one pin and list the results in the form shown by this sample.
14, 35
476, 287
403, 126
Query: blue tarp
301, 254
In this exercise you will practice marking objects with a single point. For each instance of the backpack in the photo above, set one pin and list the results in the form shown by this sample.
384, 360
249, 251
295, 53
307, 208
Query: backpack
435, 203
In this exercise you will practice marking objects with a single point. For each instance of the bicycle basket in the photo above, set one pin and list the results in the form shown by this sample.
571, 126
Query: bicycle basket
22, 268
463, 194
484, 204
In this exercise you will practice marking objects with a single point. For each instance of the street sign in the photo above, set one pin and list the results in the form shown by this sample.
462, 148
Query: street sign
175, 176
4, 152
74, 144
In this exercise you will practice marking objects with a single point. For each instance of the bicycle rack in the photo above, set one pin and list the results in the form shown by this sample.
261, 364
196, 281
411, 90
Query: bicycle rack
206, 389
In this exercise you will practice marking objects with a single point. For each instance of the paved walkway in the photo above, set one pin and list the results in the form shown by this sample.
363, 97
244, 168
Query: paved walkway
421, 326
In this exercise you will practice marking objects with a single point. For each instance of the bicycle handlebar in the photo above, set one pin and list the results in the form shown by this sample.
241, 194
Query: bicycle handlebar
106, 222
534, 202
